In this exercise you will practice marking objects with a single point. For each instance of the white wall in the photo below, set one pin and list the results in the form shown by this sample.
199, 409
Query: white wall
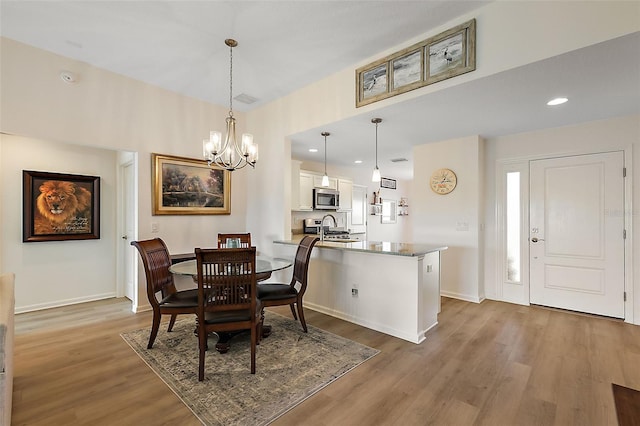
111, 112
56, 273
454, 219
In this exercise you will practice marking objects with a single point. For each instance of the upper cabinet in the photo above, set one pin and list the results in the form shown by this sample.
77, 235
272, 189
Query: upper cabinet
303, 182
305, 193
345, 187
317, 182
301, 188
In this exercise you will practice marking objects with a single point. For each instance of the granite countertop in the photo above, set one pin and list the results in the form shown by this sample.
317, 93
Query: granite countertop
378, 247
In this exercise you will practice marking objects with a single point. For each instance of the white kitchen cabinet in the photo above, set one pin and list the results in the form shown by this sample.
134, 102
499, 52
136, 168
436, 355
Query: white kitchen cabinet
317, 182
305, 191
345, 187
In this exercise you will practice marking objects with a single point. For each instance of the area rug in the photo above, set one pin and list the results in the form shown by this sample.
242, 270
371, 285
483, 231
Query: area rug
627, 402
290, 367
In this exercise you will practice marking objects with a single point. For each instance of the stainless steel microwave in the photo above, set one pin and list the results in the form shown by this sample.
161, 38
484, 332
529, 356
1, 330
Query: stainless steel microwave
325, 199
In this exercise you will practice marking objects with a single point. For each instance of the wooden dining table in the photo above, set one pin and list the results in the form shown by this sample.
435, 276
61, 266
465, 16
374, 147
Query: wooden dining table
185, 264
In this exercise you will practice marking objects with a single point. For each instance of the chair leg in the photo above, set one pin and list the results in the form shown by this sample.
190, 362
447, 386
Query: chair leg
259, 326
301, 315
293, 312
254, 342
155, 325
202, 349
172, 321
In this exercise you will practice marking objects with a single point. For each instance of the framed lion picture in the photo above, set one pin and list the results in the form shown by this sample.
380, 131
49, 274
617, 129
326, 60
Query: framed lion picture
58, 207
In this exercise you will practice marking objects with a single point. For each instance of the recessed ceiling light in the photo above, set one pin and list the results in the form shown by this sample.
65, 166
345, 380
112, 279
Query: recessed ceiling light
557, 101
358, 161
313, 150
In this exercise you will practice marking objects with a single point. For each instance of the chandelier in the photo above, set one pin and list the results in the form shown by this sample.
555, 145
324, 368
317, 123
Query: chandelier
228, 154
376, 172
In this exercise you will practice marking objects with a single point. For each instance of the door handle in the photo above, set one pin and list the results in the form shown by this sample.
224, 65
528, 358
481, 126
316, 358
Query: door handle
535, 240
124, 237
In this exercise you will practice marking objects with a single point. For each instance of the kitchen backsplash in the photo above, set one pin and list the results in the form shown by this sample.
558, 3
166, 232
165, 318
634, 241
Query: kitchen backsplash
297, 219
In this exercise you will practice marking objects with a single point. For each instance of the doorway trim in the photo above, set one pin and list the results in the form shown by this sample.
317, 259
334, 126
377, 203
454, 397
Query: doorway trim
126, 159
504, 291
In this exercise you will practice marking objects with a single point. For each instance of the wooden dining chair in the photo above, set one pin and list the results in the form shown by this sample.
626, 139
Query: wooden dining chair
245, 240
275, 294
156, 261
227, 298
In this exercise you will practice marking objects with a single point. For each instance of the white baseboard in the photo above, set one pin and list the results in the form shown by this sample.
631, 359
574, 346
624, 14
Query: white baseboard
66, 302
459, 296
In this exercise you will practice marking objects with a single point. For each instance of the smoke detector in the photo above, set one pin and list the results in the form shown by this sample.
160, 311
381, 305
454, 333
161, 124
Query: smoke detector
68, 77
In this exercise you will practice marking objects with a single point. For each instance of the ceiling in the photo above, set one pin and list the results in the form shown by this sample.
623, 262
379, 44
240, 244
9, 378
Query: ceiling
286, 45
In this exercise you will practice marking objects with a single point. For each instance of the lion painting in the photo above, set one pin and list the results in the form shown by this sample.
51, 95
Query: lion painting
62, 208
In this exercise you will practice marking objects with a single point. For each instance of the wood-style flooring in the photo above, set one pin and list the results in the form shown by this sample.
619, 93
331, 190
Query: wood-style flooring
484, 364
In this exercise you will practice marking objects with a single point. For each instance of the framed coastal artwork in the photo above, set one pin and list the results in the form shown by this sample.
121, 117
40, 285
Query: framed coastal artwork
184, 186
451, 53
446, 55
372, 83
59, 206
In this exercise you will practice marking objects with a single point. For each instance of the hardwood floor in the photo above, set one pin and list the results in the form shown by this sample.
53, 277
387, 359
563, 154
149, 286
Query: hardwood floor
484, 364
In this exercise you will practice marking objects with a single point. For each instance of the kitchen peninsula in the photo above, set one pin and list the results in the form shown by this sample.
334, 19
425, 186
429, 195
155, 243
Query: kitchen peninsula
390, 287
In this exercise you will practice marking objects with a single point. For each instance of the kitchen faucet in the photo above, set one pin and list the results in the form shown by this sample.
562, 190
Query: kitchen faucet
335, 224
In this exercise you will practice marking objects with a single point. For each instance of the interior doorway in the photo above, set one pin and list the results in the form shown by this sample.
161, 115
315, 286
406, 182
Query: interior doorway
127, 226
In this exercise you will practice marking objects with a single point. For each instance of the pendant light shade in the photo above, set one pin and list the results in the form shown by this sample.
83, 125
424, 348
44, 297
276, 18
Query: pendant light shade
376, 171
227, 153
325, 178
376, 175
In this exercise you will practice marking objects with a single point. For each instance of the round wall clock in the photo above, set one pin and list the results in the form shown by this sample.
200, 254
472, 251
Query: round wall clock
443, 181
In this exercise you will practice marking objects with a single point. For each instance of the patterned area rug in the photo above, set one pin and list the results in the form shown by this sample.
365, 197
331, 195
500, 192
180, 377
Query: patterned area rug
290, 366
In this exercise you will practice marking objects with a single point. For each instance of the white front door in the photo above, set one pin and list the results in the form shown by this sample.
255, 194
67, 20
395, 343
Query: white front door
576, 233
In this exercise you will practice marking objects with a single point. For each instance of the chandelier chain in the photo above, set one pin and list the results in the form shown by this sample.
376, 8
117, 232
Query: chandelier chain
231, 81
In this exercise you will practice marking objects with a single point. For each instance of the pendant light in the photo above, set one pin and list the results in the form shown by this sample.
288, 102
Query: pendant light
325, 178
376, 172
230, 156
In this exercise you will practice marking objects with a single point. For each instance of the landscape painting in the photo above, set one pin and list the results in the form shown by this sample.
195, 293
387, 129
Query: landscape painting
407, 70
372, 83
451, 53
188, 186
446, 55
375, 81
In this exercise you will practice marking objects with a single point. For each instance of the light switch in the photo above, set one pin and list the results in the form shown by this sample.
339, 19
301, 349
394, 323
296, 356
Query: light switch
155, 227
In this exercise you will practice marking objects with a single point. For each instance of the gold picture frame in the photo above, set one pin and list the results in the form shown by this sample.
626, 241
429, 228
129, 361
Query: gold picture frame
185, 186
453, 52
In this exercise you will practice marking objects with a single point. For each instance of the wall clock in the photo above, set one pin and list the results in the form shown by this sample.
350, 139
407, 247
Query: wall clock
443, 181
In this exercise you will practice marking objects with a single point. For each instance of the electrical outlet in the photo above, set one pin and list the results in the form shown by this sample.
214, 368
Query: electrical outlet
354, 292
